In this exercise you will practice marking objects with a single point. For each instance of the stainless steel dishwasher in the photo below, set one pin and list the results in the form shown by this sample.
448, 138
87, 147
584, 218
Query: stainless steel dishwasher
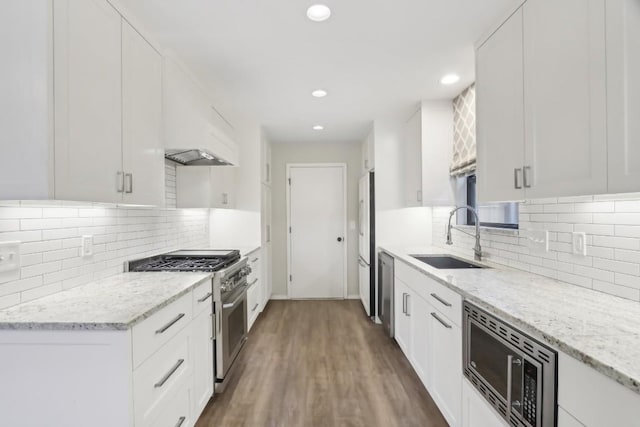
385, 291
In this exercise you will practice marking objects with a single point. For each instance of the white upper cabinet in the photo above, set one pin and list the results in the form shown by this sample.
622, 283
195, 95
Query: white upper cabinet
88, 101
143, 150
623, 94
565, 98
206, 187
541, 96
428, 148
412, 139
500, 113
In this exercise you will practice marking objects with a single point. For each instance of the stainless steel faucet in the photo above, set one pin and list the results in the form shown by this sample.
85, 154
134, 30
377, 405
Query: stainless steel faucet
477, 250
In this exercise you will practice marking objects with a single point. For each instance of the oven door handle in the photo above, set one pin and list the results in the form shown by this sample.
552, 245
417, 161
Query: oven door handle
234, 303
509, 381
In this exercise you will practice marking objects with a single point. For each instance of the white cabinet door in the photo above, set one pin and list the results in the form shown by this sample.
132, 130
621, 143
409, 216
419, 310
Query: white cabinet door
143, 150
202, 333
88, 101
420, 339
476, 412
223, 180
623, 94
266, 242
436, 151
412, 141
364, 286
500, 114
565, 99
402, 324
445, 362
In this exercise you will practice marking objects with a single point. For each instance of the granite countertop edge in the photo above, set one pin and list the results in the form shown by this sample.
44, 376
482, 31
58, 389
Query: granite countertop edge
558, 343
36, 325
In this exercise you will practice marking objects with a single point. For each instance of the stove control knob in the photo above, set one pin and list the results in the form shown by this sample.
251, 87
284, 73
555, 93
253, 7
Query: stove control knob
245, 271
226, 285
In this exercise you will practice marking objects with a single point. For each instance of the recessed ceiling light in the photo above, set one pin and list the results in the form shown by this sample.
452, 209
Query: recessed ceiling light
450, 79
318, 13
318, 127
319, 93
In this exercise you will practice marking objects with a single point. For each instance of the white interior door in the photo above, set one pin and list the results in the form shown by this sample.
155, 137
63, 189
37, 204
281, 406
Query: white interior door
317, 220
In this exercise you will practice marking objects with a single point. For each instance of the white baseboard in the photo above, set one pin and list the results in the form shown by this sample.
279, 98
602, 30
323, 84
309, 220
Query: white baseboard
279, 297
353, 297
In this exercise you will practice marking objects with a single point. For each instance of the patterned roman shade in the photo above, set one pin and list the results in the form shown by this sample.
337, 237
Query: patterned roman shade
464, 133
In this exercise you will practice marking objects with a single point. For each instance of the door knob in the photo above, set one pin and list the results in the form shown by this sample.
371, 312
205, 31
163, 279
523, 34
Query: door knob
339, 239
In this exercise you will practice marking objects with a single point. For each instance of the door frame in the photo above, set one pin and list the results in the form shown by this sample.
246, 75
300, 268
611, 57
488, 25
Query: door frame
343, 166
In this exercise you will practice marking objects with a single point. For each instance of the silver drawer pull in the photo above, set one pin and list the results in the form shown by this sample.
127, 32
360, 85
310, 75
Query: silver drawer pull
254, 308
445, 303
206, 297
253, 282
445, 324
170, 324
254, 260
169, 374
181, 420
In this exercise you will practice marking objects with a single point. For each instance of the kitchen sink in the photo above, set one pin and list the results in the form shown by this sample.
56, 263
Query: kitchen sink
445, 262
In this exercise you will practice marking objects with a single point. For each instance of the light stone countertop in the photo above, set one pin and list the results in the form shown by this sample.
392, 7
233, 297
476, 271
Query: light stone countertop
600, 330
115, 303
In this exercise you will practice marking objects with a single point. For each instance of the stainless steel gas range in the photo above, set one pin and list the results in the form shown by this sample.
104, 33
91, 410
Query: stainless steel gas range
229, 290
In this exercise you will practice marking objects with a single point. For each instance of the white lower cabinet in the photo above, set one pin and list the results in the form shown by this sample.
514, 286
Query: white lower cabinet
476, 412
202, 344
158, 373
445, 363
255, 294
565, 419
402, 324
431, 340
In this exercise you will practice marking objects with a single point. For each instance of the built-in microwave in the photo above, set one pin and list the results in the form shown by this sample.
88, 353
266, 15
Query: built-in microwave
515, 373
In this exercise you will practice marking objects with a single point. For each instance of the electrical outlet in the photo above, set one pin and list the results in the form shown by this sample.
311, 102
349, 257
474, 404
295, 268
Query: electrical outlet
579, 240
87, 246
9, 256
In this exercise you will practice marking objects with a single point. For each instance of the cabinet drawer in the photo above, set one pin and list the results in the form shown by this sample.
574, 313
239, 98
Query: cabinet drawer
253, 299
409, 275
158, 329
202, 297
160, 377
175, 412
445, 300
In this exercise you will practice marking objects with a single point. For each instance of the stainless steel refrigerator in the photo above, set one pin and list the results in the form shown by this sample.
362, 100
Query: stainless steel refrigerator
367, 246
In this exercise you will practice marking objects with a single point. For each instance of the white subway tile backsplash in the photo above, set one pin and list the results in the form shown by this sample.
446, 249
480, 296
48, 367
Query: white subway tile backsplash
612, 226
9, 225
9, 300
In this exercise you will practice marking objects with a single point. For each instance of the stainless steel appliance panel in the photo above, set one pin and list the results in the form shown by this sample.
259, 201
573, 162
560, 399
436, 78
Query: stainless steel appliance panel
385, 291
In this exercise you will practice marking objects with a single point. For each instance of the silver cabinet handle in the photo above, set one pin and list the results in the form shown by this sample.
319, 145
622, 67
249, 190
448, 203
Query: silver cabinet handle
525, 175
408, 305
120, 182
362, 264
268, 233
128, 177
254, 260
268, 173
168, 375
419, 195
509, 381
214, 318
225, 198
445, 324
253, 282
181, 420
443, 302
516, 178
170, 324
254, 308
404, 303
206, 297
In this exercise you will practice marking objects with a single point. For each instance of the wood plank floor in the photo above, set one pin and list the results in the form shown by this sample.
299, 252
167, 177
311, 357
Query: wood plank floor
321, 363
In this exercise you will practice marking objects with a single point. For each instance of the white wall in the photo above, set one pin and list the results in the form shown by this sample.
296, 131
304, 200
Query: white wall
282, 154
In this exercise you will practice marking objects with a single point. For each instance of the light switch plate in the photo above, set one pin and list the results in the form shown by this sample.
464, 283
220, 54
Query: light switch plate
87, 246
579, 242
9, 256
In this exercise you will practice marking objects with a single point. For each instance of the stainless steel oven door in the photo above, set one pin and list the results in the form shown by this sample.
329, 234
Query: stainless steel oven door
233, 328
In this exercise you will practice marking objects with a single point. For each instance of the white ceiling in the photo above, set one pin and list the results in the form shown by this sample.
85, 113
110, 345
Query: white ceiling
262, 58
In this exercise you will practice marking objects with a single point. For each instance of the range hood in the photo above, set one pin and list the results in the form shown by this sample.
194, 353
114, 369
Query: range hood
195, 157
